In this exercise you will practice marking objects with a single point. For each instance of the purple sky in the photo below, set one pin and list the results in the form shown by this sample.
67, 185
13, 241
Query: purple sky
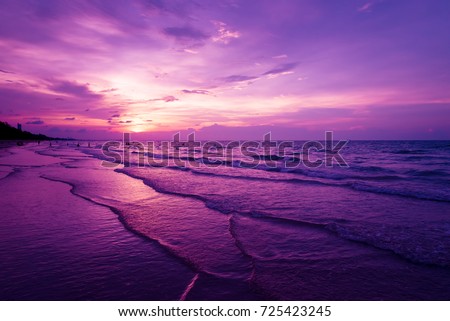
366, 69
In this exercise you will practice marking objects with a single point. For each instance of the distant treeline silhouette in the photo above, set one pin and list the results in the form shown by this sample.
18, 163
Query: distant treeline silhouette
7, 132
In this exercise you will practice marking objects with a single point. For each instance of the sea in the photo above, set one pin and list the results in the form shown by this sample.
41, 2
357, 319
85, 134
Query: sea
83, 222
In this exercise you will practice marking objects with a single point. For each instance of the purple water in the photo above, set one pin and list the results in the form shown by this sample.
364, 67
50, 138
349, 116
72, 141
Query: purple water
377, 230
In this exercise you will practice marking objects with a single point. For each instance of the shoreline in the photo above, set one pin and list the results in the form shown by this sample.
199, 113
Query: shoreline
60, 232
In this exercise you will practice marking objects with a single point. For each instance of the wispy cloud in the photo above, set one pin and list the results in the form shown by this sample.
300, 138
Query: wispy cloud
166, 99
281, 69
238, 78
109, 90
35, 122
194, 52
73, 89
196, 91
224, 33
367, 7
185, 33
6, 71
245, 80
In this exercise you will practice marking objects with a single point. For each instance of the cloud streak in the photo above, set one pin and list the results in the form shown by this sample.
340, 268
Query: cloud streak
238, 78
166, 99
6, 71
185, 33
73, 89
280, 69
224, 33
196, 91
35, 122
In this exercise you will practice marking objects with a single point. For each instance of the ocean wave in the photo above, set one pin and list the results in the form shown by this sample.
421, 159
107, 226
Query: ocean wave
172, 248
355, 185
403, 241
362, 186
7, 171
417, 158
379, 236
428, 173
427, 247
360, 180
372, 169
409, 151
440, 196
